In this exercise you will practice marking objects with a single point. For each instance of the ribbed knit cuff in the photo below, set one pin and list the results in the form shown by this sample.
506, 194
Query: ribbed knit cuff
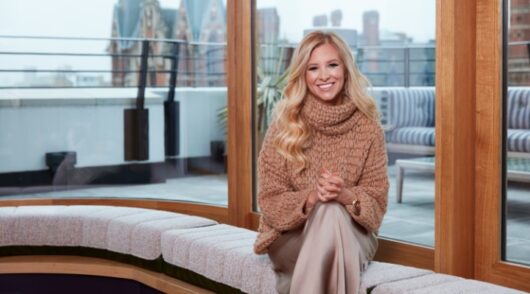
367, 216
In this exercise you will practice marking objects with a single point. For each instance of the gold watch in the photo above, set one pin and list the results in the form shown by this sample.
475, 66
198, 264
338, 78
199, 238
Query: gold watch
356, 206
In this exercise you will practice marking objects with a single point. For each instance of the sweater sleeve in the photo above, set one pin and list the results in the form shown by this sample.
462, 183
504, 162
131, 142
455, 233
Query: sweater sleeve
372, 187
282, 208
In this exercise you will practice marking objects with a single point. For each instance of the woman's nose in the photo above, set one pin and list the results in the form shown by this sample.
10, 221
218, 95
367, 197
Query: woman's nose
324, 75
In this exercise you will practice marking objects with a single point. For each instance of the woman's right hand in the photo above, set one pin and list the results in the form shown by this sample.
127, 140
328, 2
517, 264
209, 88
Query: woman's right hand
311, 200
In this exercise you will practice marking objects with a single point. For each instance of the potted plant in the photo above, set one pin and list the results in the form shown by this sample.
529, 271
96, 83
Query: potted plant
272, 78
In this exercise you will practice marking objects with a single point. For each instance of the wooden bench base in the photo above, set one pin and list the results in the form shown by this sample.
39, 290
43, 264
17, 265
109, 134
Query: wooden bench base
78, 265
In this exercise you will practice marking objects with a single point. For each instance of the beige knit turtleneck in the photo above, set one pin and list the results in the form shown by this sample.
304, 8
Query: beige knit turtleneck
343, 140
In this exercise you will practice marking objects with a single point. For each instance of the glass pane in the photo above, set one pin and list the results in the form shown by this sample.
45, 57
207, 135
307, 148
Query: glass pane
132, 105
517, 143
395, 49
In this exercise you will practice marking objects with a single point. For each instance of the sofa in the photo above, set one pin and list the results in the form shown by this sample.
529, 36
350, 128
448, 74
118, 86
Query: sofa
408, 115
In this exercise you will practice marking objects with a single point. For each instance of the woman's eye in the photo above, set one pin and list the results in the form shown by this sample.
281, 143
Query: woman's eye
312, 68
334, 64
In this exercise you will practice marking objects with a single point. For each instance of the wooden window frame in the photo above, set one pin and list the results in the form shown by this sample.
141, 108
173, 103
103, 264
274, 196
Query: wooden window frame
468, 138
489, 265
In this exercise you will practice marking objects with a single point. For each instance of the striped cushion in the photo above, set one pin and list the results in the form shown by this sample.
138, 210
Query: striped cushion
412, 135
518, 108
411, 107
518, 140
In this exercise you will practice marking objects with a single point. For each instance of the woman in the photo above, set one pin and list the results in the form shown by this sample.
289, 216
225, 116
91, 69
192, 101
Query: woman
323, 180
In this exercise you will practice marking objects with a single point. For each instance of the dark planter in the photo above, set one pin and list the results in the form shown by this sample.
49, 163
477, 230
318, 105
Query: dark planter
217, 151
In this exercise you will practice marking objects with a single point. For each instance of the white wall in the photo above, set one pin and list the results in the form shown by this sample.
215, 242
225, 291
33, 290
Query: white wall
198, 119
89, 122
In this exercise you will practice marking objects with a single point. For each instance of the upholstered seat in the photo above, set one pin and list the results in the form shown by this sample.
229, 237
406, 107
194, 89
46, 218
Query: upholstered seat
198, 250
222, 253
125, 230
408, 115
413, 135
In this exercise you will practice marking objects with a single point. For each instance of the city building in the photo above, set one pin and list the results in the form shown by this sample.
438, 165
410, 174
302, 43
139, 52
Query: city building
194, 23
518, 46
320, 22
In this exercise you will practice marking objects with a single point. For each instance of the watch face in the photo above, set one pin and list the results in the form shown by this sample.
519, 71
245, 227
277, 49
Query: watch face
356, 207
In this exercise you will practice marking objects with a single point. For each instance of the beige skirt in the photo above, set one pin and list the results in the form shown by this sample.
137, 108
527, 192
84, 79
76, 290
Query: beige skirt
326, 255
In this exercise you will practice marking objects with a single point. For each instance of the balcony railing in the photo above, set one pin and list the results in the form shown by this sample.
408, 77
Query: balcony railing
168, 62
177, 63
401, 66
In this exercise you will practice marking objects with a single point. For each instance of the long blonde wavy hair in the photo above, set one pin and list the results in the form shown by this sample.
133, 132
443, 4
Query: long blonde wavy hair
293, 134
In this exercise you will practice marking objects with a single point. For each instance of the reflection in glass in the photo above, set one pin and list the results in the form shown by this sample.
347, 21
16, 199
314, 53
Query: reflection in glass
397, 54
139, 115
517, 127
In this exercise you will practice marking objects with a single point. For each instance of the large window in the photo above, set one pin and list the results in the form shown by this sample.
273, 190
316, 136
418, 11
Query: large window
395, 48
120, 98
516, 172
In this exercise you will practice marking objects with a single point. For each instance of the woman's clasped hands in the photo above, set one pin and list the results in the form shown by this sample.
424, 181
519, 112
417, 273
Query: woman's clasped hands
329, 187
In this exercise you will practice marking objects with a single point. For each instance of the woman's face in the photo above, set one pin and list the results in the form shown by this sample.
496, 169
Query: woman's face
325, 74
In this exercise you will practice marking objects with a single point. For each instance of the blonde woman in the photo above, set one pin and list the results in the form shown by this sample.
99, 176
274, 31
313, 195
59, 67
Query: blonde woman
323, 180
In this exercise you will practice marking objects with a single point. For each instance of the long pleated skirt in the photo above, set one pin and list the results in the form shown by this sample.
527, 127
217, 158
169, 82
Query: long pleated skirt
326, 255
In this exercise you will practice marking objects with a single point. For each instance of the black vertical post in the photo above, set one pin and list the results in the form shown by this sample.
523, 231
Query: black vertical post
174, 68
136, 121
171, 107
142, 80
527, 51
407, 67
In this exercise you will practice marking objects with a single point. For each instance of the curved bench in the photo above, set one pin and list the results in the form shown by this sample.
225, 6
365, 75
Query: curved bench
193, 249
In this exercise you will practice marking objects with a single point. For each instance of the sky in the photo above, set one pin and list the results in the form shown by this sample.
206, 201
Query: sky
93, 18
414, 17
81, 18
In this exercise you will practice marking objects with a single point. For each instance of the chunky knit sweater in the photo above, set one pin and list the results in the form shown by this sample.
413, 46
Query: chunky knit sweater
344, 141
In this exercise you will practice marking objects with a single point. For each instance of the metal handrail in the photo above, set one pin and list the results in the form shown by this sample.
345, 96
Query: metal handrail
200, 52
404, 63
113, 39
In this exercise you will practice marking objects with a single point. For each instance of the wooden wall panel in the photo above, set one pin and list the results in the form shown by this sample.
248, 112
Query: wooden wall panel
405, 254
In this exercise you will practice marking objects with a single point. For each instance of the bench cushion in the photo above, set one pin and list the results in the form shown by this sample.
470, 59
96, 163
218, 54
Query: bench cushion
381, 272
95, 225
222, 253
408, 285
45, 226
125, 230
464, 286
